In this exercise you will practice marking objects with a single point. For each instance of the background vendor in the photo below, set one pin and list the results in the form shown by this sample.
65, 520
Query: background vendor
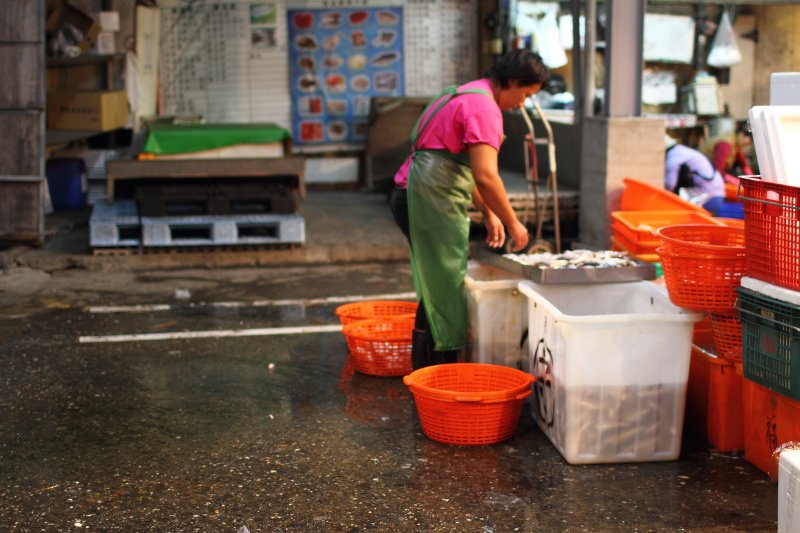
454, 163
688, 168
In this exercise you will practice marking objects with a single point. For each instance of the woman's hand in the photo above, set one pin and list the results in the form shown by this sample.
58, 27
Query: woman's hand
520, 236
495, 232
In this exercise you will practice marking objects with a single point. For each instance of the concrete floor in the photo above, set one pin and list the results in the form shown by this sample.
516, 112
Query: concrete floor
277, 433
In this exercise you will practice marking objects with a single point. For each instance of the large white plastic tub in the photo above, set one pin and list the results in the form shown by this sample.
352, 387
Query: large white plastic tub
611, 363
498, 316
789, 491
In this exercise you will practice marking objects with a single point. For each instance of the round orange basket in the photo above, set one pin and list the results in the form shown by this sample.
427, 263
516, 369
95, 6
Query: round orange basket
380, 346
726, 330
702, 265
469, 403
353, 312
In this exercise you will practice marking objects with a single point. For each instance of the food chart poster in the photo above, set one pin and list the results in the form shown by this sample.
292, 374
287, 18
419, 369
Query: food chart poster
341, 54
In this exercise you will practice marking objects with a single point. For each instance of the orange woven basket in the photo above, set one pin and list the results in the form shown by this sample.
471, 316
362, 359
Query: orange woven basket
726, 330
469, 403
702, 240
380, 346
702, 265
353, 312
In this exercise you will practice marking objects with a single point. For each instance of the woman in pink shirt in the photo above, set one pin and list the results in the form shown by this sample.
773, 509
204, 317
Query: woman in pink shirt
453, 163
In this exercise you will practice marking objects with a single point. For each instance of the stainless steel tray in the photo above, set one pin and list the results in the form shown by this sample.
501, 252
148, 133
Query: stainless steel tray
640, 271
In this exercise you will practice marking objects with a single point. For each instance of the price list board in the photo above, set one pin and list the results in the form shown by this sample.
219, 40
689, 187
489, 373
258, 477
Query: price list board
441, 44
224, 61
341, 54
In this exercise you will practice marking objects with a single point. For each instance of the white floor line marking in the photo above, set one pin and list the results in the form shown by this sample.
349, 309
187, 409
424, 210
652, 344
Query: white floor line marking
146, 308
137, 337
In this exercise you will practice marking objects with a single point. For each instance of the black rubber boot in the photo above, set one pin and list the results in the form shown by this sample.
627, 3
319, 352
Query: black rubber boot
419, 348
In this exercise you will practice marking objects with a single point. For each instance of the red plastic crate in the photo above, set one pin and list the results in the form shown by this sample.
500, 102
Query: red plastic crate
714, 401
772, 231
640, 196
770, 421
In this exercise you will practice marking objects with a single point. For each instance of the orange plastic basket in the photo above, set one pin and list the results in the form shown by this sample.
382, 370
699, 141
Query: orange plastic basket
380, 346
702, 240
353, 312
726, 330
469, 403
702, 265
701, 283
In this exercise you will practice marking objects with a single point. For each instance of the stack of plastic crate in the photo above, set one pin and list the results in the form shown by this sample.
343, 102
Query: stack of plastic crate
769, 306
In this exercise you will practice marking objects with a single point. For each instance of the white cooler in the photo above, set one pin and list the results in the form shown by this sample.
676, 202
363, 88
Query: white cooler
611, 362
498, 316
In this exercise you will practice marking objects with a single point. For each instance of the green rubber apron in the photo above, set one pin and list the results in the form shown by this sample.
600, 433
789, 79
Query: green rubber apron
440, 187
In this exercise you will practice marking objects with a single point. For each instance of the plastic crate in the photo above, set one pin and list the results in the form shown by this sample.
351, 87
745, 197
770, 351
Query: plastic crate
772, 420
620, 244
498, 316
640, 196
772, 232
789, 491
770, 338
611, 362
640, 226
714, 400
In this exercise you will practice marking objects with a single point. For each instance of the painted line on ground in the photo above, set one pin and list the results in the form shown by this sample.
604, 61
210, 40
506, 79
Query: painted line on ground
139, 337
147, 308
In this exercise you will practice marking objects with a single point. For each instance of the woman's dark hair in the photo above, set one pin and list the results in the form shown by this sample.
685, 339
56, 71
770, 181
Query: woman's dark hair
520, 65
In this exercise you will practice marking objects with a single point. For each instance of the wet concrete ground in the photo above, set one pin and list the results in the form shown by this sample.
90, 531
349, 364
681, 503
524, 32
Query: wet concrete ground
278, 433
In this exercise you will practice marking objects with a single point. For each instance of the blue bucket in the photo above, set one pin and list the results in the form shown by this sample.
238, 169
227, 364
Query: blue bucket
67, 182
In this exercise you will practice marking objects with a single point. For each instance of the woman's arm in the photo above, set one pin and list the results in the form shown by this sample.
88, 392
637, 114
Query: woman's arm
483, 160
495, 233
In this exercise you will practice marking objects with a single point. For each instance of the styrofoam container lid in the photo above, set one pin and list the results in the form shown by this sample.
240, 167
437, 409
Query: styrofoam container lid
773, 291
483, 276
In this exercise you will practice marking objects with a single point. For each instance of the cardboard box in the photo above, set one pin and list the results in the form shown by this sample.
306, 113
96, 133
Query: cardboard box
87, 110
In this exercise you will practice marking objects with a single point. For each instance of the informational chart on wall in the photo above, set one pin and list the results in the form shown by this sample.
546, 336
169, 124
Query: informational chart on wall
224, 61
441, 44
339, 58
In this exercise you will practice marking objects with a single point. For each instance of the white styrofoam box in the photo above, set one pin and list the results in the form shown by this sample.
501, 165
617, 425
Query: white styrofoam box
611, 362
784, 88
108, 20
498, 316
773, 291
105, 43
761, 143
786, 123
789, 491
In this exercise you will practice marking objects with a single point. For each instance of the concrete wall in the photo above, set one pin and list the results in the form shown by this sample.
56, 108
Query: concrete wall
614, 149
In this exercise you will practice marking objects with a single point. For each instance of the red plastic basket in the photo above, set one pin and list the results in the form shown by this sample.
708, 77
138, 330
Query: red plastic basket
469, 403
726, 330
772, 231
353, 312
380, 346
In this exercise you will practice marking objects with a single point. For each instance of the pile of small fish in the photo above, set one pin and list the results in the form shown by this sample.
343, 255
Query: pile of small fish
572, 259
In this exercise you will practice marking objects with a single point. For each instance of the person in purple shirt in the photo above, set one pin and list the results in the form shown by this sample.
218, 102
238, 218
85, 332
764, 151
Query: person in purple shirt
686, 167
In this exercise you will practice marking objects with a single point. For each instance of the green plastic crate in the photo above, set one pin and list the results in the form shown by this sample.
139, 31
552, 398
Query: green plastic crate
770, 342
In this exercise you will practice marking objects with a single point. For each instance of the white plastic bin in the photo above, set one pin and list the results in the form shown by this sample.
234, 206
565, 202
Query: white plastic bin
498, 316
611, 362
789, 491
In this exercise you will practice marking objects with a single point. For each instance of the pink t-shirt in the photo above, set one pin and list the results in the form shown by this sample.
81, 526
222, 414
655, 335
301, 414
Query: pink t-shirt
467, 119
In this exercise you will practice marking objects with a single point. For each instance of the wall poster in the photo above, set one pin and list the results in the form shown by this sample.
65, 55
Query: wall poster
341, 54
